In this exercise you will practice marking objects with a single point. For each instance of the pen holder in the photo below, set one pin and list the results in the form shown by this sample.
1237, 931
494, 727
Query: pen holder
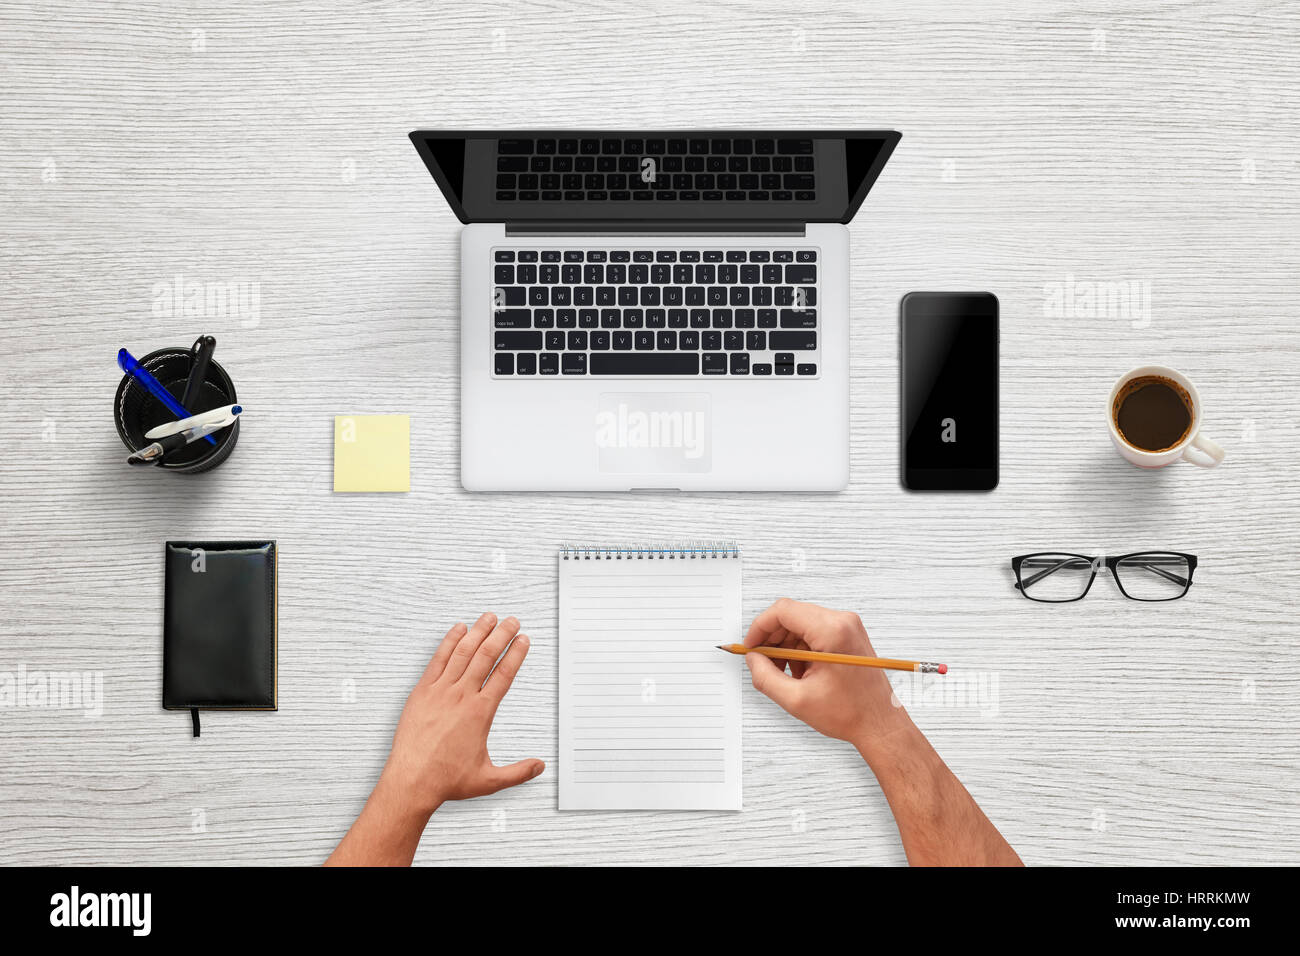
136, 411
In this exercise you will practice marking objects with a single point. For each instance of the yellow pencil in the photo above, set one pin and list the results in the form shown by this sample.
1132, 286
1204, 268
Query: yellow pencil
790, 654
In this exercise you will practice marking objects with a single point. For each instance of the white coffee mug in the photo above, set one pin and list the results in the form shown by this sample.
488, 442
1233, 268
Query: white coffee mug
1194, 447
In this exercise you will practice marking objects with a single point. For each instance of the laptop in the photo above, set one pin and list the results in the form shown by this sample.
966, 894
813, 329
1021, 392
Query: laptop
659, 310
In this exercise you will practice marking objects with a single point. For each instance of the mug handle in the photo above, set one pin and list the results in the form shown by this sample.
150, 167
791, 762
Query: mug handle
1201, 451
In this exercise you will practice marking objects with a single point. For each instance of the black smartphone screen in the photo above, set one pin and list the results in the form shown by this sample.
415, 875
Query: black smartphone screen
949, 346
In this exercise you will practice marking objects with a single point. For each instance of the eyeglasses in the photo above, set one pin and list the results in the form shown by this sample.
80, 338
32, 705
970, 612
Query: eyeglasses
1055, 577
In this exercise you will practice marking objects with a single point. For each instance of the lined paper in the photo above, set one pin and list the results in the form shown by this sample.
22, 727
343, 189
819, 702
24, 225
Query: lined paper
649, 707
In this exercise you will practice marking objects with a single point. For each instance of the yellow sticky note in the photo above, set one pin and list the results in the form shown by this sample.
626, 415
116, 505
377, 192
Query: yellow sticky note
372, 453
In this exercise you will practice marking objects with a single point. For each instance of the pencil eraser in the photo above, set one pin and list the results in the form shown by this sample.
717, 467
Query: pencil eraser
943, 668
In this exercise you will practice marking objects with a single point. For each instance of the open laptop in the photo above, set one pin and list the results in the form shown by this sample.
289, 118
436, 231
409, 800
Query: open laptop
654, 309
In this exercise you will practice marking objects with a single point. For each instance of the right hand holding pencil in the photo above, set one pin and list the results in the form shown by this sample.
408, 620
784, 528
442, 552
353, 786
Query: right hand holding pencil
849, 703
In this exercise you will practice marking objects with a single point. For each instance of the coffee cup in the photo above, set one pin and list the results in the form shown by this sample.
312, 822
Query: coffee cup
1154, 413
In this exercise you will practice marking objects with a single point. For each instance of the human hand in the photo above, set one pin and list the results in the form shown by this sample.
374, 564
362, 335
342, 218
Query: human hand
850, 703
440, 746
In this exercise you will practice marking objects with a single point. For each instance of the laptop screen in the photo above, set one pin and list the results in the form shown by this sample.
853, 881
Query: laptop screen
667, 175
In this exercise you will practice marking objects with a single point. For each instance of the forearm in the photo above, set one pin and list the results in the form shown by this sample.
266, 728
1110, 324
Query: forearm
938, 820
386, 833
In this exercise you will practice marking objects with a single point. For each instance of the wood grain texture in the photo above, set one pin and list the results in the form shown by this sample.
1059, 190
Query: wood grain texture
1131, 142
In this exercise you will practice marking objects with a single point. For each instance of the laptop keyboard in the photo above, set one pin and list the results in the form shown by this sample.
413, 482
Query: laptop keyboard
655, 312
655, 170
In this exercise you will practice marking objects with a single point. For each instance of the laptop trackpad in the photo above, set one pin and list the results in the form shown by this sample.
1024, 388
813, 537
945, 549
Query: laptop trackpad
654, 432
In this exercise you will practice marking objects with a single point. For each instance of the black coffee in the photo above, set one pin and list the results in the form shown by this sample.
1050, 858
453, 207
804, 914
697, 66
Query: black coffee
1153, 413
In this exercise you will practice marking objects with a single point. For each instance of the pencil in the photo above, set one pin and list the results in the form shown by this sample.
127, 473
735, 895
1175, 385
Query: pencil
790, 654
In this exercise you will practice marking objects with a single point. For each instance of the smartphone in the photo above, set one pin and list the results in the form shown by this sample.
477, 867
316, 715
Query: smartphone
948, 344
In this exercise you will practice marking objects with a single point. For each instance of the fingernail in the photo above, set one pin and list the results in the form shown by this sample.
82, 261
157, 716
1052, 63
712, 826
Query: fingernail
523, 640
538, 770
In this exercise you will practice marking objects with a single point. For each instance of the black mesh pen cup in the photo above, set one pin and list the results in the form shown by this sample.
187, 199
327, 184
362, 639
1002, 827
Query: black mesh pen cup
136, 411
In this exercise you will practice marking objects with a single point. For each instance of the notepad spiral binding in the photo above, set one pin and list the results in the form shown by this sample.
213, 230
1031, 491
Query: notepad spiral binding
692, 550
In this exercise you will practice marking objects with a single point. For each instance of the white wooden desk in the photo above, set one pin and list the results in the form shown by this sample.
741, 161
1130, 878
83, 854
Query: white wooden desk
266, 143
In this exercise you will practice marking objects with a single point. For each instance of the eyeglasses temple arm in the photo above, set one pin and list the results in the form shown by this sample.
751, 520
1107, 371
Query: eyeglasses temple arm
1176, 578
1044, 573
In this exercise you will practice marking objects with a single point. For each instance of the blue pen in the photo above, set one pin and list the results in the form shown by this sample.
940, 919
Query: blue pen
155, 388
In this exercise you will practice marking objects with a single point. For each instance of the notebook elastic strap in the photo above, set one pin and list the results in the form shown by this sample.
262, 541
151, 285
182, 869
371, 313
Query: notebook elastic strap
194, 719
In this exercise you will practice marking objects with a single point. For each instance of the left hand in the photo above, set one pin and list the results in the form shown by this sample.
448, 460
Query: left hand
440, 746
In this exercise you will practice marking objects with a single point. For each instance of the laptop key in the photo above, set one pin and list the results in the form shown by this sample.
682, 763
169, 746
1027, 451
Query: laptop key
505, 363
513, 319
644, 341
715, 363
761, 368
740, 363
599, 341
548, 363
785, 370
807, 368
518, 341
800, 274
622, 339
525, 363
788, 295
645, 363
666, 341
801, 319
798, 341
510, 295
555, 341
574, 363
578, 340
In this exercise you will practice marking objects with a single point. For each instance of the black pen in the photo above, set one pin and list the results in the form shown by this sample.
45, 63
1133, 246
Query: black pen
200, 356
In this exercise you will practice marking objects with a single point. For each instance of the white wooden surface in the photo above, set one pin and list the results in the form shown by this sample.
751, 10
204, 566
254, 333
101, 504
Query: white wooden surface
1129, 142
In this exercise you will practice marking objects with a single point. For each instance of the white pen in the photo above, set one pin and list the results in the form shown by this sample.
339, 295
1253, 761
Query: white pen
202, 418
154, 453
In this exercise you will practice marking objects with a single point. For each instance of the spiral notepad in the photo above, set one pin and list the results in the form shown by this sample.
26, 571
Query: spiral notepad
649, 707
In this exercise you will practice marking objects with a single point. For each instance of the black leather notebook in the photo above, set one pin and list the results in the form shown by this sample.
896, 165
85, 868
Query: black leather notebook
219, 626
